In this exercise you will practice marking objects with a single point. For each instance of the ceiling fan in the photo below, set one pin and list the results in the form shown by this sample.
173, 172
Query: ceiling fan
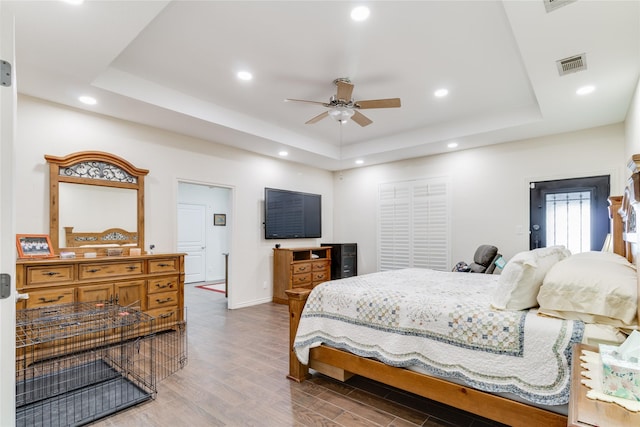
341, 107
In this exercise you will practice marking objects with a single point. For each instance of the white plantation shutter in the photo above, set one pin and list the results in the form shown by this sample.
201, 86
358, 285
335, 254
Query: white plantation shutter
413, 225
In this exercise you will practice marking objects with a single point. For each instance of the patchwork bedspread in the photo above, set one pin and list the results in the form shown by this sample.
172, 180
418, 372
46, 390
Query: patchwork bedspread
442, 322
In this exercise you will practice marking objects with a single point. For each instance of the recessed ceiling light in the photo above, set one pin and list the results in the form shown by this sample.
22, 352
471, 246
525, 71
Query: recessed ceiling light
89, 100
452, 144
244, 75
76, 2
441, 92
360, 13
585, 90
359, 162
283, 153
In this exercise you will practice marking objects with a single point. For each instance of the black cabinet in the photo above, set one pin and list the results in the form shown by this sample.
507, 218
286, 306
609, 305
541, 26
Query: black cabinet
344, 259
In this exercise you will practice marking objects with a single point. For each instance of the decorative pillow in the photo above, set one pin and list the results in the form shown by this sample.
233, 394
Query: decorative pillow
522, 277
595, 287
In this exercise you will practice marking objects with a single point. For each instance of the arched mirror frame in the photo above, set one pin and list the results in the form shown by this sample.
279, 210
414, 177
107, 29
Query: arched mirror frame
61, 170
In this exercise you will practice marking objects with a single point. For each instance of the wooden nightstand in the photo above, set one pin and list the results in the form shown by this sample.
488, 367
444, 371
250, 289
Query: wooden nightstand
585, 412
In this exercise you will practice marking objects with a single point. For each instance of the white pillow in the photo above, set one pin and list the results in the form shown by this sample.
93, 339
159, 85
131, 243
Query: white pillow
522, 277
595, 287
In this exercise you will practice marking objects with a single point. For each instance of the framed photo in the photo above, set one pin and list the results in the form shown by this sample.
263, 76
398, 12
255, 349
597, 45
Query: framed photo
219, 219
34, 245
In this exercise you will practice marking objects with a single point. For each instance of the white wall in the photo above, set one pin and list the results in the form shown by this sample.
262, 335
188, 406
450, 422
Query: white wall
47, 128
489, 185
632, 125
490, 203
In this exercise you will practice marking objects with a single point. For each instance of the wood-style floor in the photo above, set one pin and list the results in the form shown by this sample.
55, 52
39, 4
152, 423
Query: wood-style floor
236, 372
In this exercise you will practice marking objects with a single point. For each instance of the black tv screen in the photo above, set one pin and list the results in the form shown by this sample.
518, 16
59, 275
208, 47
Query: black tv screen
291, 214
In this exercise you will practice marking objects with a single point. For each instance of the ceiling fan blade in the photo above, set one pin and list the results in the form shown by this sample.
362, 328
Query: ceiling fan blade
361, 119
308, 102
379, 103
344, 90
317, 118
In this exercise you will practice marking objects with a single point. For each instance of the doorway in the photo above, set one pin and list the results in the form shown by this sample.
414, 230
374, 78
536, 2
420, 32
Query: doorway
203, 239
570, 212
192, 240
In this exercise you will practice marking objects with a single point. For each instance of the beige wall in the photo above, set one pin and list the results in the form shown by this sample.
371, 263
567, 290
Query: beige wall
46, 128
490, 193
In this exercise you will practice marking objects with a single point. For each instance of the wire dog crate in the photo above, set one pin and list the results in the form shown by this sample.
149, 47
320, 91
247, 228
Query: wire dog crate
79, 362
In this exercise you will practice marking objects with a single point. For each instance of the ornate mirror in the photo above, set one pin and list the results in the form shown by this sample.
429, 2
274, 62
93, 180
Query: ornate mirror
96, 203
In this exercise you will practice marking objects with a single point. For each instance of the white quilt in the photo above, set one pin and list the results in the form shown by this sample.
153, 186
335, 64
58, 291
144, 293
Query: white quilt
443, 323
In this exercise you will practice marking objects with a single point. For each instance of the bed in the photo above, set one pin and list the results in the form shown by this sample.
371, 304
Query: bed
337, 331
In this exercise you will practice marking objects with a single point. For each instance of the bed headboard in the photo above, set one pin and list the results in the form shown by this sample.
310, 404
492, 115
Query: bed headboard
623, 211
109, 237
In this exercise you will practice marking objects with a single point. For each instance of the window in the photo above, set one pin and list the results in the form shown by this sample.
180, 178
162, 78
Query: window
414, 225
570, 212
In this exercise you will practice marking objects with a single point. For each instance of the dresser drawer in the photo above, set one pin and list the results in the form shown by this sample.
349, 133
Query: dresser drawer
304, 267
301, 279
320, 276
320, 265
167, 265
162, 299
48, 275
162, 284
164, 314
49, 297
104, 270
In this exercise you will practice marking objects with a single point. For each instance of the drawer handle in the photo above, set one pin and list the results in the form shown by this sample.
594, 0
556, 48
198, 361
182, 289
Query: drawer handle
132, 267
93, 270
164, 265
302, 268
162, 301
46, 301
165, 315
161, 286
51, 273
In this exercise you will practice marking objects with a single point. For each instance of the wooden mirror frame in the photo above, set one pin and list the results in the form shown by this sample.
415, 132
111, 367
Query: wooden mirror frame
58, 166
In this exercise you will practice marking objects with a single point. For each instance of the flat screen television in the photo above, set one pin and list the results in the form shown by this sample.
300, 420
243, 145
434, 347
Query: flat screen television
291, 214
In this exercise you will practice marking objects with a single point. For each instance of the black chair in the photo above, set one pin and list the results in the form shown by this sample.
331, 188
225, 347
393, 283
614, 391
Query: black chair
483, 261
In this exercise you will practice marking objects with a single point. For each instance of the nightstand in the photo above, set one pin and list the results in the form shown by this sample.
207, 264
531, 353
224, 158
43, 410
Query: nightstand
585, 412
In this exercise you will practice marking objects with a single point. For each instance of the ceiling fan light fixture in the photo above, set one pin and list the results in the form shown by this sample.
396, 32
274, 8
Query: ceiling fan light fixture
341, 114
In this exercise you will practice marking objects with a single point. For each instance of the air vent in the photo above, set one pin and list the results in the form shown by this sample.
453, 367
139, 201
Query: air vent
572, 64
551, 5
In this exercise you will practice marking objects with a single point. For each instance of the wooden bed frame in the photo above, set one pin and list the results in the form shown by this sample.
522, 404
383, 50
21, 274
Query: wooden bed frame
341, 365
110, 236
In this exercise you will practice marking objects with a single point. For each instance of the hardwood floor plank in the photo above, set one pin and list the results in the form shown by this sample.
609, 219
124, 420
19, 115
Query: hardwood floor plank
236, 376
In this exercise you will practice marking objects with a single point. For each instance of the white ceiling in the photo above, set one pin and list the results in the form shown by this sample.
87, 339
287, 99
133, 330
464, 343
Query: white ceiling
172, 65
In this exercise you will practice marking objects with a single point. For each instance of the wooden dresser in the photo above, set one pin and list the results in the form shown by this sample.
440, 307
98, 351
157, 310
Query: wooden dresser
299, 268
154, 283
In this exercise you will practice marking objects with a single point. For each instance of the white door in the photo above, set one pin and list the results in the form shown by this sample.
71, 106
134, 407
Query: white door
192, 234
8, 96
